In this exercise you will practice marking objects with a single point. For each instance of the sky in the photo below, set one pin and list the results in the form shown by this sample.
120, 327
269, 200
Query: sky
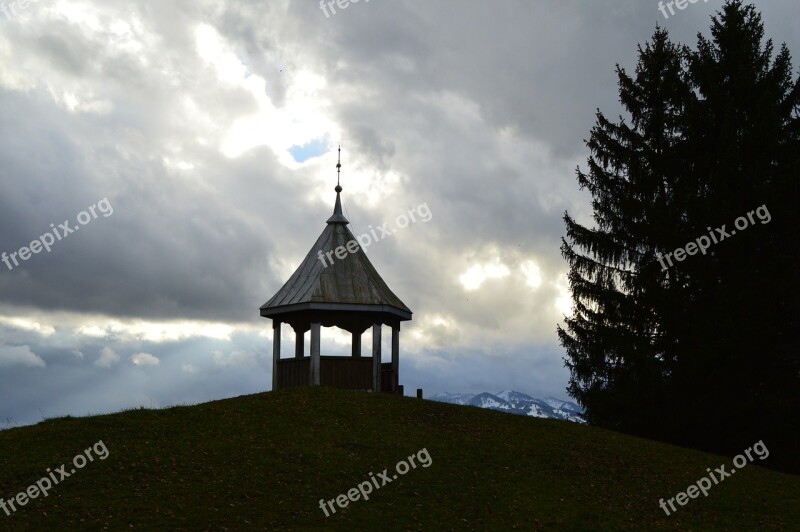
190, 145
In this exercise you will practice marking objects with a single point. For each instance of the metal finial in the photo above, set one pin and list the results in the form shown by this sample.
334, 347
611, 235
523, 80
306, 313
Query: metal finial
338, 217
338, 170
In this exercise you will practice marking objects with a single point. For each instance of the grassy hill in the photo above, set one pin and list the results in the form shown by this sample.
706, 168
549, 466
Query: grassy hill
265, 461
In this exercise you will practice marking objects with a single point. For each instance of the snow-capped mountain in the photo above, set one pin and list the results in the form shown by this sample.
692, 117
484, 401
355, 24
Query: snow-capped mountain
454, 398
517, 403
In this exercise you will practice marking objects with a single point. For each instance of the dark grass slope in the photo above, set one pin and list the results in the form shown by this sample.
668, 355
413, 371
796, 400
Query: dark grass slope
264, 461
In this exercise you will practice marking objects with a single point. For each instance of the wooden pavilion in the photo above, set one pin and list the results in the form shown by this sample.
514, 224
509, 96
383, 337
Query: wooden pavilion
327, 290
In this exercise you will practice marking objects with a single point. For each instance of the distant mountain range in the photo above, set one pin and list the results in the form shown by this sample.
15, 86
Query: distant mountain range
517, 403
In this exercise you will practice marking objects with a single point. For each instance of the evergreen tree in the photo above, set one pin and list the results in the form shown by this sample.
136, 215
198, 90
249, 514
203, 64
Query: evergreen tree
744, 323
616, 342
704, 351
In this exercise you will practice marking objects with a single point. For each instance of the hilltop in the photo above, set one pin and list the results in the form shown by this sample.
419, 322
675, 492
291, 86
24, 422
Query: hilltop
265, 461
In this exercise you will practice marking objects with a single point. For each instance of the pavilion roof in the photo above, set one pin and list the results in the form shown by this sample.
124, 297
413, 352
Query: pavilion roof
351, 283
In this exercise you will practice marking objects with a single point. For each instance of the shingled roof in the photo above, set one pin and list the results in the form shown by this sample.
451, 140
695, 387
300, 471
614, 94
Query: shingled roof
351, 283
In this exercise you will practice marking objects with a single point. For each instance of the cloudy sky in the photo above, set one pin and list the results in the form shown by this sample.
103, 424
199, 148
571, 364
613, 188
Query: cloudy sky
193, 143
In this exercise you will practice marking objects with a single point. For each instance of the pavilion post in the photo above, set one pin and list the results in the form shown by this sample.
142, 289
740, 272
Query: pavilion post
356, 344
276, 351
299, 343
376, 357
395, 356
314, 376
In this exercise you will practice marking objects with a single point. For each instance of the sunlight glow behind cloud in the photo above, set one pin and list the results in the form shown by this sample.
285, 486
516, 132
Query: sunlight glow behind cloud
303, 118
475, 276
155, 331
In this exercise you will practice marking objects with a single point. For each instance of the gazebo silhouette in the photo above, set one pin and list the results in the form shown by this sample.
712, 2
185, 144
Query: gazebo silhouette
327, 290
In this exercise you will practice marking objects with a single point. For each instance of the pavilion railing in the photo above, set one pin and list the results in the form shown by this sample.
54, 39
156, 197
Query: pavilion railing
354, 373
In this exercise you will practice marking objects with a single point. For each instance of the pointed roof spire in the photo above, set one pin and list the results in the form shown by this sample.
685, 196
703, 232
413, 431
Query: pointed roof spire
338, 217
338, 170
